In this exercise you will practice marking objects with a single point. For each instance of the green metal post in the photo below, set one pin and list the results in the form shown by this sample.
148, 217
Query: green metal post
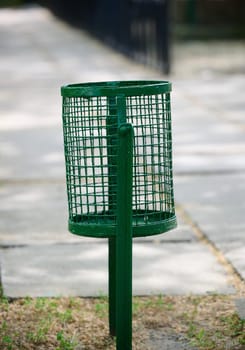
112, 285
124, 239
111, 126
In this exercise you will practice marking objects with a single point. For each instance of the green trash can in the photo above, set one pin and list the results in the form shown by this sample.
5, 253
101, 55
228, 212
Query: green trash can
118, 154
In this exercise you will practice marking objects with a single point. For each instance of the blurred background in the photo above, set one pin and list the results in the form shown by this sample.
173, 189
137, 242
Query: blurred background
147, 29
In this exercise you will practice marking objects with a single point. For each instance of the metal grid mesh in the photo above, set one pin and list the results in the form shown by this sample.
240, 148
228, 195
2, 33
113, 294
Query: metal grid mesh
152, 180
91, 138
86, 152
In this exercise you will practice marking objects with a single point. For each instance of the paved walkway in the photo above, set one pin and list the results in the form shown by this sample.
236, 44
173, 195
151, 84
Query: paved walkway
38, 256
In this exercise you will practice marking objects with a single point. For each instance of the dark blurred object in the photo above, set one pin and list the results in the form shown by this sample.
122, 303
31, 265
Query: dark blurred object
211, 19
11, 3
138, 28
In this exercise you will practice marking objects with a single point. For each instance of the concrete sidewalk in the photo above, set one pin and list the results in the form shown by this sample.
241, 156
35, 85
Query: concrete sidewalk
38, 256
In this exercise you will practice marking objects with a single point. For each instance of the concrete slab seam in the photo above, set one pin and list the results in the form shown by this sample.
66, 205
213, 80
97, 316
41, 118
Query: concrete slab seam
233, 275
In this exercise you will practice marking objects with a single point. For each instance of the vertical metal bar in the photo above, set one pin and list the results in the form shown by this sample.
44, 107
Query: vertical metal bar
124, 25
170, 202
111, 130
112, 285
111, 127
191, 9
164, 35
124, 239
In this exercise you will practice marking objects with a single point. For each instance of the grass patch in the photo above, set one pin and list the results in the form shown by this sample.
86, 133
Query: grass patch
209, 322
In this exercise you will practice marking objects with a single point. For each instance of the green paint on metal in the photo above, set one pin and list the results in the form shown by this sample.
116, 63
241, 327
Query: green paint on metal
112, 259
118, 153
124, 239
91, 142
115, 88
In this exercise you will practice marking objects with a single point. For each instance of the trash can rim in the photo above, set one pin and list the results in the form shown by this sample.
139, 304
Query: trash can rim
113, 88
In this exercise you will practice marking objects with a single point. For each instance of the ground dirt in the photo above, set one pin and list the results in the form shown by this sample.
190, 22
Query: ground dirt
202, 322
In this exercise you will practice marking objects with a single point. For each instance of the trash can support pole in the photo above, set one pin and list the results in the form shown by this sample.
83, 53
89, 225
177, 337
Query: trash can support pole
112, 285
124, 239
112, 128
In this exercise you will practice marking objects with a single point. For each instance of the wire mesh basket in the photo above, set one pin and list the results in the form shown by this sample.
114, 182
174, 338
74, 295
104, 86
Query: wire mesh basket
92, 115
